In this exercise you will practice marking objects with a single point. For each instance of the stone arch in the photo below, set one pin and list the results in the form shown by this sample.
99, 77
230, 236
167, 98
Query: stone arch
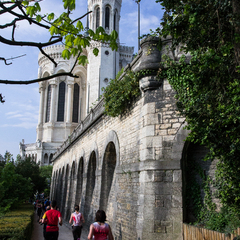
82, 73
179, 142
108, 169
115, 20
113, 137
61, 101
54, 185
62, 67
59, 188
48, 102
45, 159
79, 181
94, 148
97, 17
107, 16
64, 191
50, 157
91, 177
71, 191
192, 160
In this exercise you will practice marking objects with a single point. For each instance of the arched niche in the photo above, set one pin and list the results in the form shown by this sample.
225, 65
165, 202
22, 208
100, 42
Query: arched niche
71, 191
79, 182
91, 177
45, 159
108, 169
64, 195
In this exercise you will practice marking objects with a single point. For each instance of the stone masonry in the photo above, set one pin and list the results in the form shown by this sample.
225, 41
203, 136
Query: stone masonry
130, 166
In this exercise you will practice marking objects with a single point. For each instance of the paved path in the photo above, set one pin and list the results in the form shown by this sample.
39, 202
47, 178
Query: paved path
65, 232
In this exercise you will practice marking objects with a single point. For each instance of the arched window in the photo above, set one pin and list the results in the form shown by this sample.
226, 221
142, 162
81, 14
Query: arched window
61, 102
107, 16
114, 21
48, 104
45, 158
97, 17
50, 158
75, 112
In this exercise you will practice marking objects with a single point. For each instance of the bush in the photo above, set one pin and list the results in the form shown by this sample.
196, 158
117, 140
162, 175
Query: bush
17, 224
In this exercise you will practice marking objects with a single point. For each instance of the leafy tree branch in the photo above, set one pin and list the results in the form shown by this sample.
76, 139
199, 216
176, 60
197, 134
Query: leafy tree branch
61, 29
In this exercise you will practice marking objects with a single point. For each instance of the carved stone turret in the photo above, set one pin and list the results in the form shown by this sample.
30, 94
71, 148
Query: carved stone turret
150, 64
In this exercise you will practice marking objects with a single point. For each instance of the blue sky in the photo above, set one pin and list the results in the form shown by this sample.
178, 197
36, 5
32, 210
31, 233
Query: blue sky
19, 114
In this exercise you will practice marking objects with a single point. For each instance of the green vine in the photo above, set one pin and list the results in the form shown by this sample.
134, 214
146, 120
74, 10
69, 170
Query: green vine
204, 209
120, 94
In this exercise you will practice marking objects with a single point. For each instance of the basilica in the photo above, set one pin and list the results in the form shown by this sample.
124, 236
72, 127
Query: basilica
66, 101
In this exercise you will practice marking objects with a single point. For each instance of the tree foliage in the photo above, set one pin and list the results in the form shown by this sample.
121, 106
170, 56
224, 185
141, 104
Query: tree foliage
29, 169
62, 29
119, 94
20, 180
207, 85
13, 186
46, 173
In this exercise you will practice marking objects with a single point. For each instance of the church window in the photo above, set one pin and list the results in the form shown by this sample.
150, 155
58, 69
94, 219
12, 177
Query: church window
107, 52
61, 102
97, 17
48, 104
45, 158
114, 21
75, 112
50, 158
107, 16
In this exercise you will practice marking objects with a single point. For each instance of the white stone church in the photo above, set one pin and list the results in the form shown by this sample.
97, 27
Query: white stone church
66, 101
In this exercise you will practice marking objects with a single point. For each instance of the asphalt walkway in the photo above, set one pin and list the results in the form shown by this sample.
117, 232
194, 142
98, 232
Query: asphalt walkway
65, 232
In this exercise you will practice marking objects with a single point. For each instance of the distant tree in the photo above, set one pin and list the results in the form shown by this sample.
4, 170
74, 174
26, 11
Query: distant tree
29, 169
14, 188
62, 29
46, 172
208, 85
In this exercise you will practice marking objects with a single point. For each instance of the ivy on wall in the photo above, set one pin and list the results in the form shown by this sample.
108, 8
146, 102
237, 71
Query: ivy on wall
203, 209
120, 94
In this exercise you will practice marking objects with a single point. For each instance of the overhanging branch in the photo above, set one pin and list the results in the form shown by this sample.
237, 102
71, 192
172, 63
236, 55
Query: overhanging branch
37, 80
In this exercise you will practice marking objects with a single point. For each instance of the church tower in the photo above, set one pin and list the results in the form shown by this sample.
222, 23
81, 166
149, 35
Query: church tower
65, 101
105, 66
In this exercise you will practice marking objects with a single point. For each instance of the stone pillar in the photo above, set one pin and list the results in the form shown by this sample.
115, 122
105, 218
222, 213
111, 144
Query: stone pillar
102, 15
111, 21
69, 99
159, 215
53, 100
41, 91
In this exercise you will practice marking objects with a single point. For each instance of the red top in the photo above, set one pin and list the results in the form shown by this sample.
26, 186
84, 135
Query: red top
100, 231
52, 220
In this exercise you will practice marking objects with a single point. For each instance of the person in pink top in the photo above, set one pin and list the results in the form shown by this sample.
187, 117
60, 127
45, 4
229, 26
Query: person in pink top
77, 219
99, 229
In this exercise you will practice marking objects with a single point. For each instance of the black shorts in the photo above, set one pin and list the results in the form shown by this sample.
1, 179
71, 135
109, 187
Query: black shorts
76, 231
52, 235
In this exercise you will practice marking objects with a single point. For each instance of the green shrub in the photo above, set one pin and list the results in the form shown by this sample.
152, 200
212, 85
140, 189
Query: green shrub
17, 224
119, 94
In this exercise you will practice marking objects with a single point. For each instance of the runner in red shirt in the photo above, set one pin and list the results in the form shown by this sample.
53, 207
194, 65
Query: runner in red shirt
53, 217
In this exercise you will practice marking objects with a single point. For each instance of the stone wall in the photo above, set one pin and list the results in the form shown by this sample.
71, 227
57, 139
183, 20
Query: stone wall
129, 166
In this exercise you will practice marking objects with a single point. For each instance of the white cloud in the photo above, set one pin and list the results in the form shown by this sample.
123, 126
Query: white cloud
26, 125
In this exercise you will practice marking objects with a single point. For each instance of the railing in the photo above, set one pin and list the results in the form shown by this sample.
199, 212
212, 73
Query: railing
196, 233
